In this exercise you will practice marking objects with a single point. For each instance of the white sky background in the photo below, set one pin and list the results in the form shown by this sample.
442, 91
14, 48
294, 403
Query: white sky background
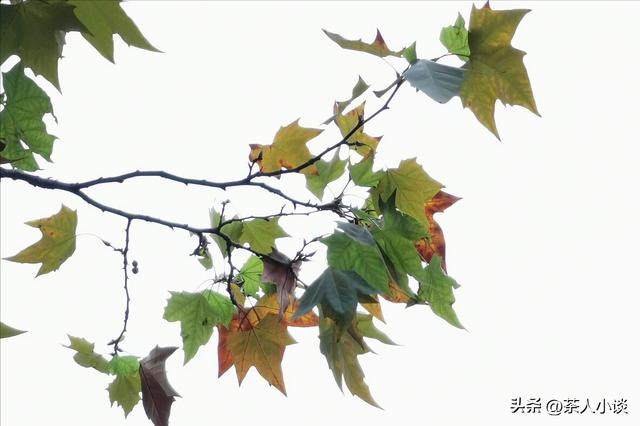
544, 242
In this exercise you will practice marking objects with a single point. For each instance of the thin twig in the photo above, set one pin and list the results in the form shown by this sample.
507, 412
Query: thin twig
125, 261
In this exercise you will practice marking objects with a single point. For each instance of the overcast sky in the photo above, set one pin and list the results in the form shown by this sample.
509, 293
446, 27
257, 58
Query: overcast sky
544, 242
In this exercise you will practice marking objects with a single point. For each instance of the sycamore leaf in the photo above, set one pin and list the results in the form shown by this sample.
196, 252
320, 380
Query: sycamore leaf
340, 106
409, 53
157, 392
357, 233
280, 270
371, 303
495, 69
269, 305
378, 47
125, 391
86, 356
231, 230
400, 223
347, 254
366, 327
456, 38
104, 19
34, 31
250, 274
7, 331
288, 150
400, 251
239, 298
198, 313
435, 244
412, 186
262, 347
337, 291
205, 259
261, 234
440, 82
436, 288
328, 171
21, 126
341, 351
364, 144
57, 244
362, 173
124, 365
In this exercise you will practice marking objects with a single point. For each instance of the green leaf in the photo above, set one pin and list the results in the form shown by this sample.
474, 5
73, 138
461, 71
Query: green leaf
7, 331
362, 173
341, 351
125, 391
413, 187
250, 274
261, 234
378, 47
357, 233
328, 171
495, 69
231, 230
337, 291
124, 365
410, 54
400, 251
57, 244
456, 38
21, 124
35, 31
198, 314
436, 288
360, 87
347, 254
86, 356
366, 327
104, 19
397, 222
440, 82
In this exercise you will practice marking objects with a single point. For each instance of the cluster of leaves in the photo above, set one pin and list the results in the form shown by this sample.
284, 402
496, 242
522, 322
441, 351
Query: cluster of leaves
389, 248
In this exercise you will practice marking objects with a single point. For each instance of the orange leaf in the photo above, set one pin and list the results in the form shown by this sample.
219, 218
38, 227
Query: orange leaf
435, 245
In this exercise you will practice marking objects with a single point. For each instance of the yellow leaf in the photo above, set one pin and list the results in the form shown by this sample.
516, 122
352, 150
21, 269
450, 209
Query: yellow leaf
57, 244
288, 150
364, 144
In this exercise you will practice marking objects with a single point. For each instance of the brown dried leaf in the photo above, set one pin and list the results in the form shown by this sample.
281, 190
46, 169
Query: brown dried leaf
157, 393
435, 245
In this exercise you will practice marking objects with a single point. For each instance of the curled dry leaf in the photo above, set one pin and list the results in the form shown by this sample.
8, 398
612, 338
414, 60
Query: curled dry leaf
281, 271
157, 393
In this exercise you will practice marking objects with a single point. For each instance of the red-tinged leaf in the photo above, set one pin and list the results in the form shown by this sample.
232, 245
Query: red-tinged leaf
281, 271
435, 244
225, 358
378, 47
269, 305
157, 393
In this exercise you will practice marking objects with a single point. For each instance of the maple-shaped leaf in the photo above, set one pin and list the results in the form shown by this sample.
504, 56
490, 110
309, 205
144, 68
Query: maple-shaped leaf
288, 150
337, 291
397, 222
456, 38
435, 244
371, 303
57, 244
157, 392
125, 391
8, 331
281, 271
124, 365
364, 144
35, 31
269, 304
360, 87
345, 253
103, 20
365, 326
412, 187
341, 351
86, 356
362, 173
495, 69
21, 121
439, 82
250, 275
261, 234
198, 313
436, 288
233, 230
261, 346
378, 47
328, 171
